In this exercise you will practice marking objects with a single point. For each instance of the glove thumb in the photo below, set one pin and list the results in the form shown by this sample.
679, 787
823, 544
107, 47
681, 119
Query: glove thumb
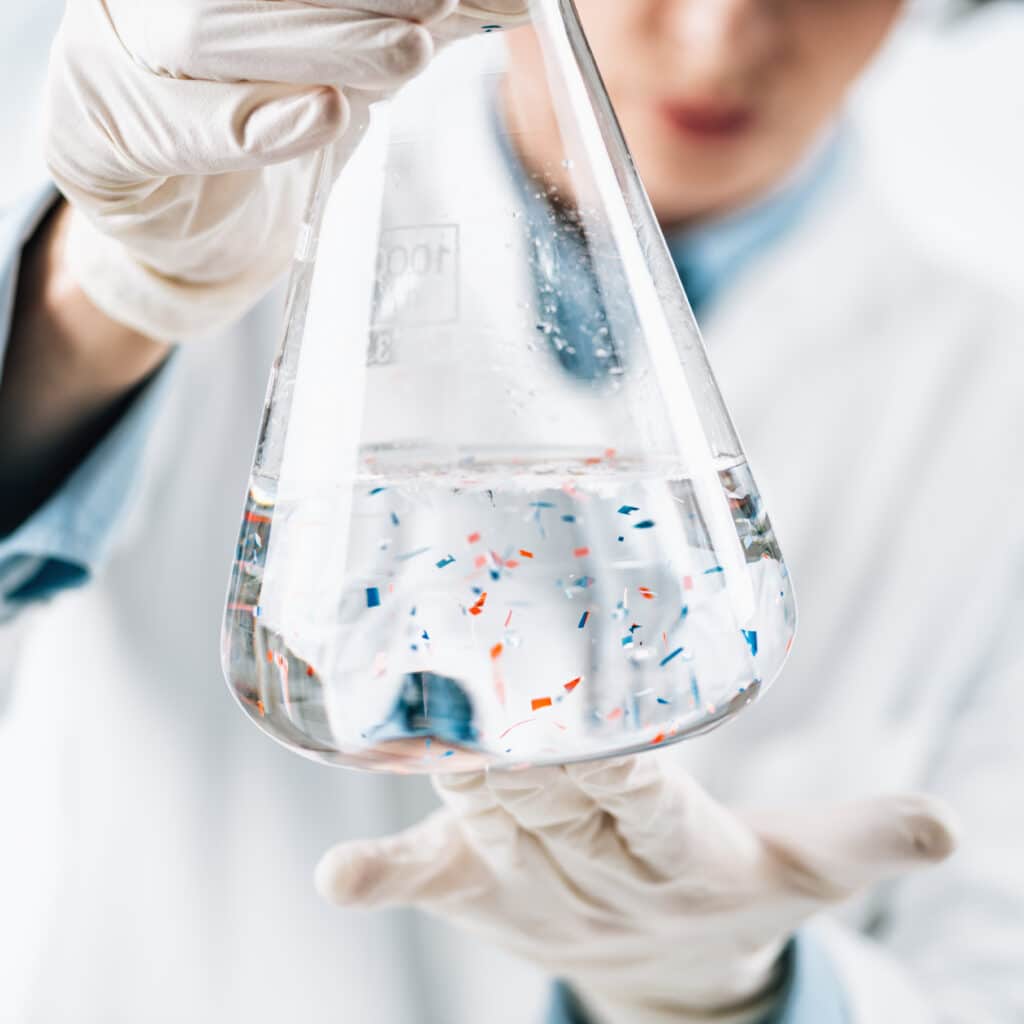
427, 863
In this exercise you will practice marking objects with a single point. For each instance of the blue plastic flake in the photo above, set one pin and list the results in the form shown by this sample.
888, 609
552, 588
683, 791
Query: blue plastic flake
488, 29
627, 510
645, 525
669, 657
394, 519
568, 519
446, 562
634, 628
621, 539
585, 581
377, 490
542, 504
664, 700
583, 620
449, 753
750, 636
694, 691
372, 597
684, 612
627, 641
425, 635
717, 568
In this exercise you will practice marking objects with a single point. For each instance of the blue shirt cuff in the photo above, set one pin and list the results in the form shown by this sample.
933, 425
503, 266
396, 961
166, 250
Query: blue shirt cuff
63, 541
811, 993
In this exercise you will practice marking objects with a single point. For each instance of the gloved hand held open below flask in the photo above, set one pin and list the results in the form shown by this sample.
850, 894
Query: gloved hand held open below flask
498, 513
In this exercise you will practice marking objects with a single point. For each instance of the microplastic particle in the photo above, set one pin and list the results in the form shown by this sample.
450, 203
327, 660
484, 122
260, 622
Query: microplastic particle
694, 692
664, 700
395, 520
645, 525
496, 651
712, 571
581, 552
540, 702
669, 657
621, 539
687, 583
525, 554
446, 562
568, 519
542, 504
479, 606
750, 636
480, 561
411, 554
424, 635
684, 612
473, 538
377, 490
372, 597
270, 656
627, 641
634, 627
525, 721
628, 510
448, 753
583, 620
309, 671
660, 738
573, 683
646, 593
613, 715
508, 618
252, 517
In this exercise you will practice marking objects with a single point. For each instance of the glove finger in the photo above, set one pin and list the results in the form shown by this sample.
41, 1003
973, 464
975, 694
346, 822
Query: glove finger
428, 863
546, 802
837, 851
279, 41
669, 823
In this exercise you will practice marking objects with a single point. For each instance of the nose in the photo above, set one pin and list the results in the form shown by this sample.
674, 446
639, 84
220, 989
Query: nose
723, 33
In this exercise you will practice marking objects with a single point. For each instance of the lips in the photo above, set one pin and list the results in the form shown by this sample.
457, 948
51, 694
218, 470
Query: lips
709, 120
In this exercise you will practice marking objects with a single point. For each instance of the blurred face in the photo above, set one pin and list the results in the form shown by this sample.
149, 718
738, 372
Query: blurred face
718, 99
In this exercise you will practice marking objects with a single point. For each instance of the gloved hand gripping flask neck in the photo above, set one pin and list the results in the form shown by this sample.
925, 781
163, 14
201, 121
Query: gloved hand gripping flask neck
498, 512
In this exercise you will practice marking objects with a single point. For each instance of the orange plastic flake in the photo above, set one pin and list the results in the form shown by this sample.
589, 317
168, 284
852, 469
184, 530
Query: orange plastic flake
573, 683
252, 517
609, 453
660, 738
270, 657
309, 670
613, 715
496, 651
581, 552
526, 554
261, 709
540, 702
479, 606
592, 461
512, 564
646, 593
473, 538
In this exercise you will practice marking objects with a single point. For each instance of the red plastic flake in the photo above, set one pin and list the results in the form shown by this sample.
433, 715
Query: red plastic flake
540, 702
309, 670
581, 552
660, 738
270, 656
508, 618
252, 517
480, 561
496, 651
473, 538
573, 683
479, 606
613, 715
512, 564
687, 583
526, 554
646, 593
261, 709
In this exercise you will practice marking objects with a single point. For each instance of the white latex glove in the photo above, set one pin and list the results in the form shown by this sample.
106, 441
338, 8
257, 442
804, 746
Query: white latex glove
658, 904
183, 132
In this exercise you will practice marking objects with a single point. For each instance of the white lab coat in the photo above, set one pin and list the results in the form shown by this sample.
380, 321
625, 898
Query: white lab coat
157, 849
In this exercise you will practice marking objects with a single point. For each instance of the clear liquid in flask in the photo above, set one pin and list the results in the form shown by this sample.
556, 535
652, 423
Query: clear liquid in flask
502, 613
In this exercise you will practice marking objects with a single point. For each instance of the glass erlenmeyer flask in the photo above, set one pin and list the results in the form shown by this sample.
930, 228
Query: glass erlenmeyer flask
498, 512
